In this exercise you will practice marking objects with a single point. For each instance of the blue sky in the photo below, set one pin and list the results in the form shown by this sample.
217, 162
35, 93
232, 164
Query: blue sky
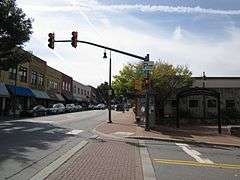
202, 34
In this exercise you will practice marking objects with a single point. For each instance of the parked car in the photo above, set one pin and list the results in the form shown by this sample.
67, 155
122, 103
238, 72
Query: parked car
70, 108
100, 106
57, 109
78, 108
38, 110
120, 107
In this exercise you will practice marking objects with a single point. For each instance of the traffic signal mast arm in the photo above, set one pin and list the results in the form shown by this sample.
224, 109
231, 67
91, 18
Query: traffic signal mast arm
146, 58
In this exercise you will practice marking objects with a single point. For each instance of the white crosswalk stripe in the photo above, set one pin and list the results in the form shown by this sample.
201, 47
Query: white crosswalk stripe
74, 132
33, 129
193, 153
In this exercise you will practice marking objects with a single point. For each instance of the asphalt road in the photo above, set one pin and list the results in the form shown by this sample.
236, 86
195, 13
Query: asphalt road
31, 144
188, 162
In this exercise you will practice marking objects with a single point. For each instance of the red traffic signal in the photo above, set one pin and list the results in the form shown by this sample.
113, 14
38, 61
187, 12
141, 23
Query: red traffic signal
51, 40
74, 39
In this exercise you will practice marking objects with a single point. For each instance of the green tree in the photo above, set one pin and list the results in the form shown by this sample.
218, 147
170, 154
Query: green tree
102, 92
15, 30
165, 79
124, 82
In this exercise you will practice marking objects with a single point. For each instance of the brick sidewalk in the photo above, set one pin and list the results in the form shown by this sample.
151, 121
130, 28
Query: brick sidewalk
125, 123
106, 160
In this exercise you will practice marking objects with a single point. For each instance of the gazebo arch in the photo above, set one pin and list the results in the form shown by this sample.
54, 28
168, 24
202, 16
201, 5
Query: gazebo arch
199, 91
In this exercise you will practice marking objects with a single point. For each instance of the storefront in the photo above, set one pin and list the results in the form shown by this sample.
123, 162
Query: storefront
4, 99
20, 97
54, 98
41, 98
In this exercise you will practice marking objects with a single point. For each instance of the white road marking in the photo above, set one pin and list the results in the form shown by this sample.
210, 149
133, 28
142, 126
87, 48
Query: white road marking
193, 153
33, 129
13, 128
74, 132
122, 134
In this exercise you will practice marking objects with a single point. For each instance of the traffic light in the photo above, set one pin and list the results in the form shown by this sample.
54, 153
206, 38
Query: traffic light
51, 40
74, 39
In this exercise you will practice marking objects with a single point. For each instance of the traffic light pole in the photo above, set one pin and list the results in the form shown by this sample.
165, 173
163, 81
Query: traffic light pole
146, 58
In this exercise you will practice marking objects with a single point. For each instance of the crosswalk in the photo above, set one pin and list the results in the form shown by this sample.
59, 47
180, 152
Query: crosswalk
8, 128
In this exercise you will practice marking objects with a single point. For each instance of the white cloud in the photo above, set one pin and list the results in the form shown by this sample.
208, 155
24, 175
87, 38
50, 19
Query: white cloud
177, 34
85, 63
94, 6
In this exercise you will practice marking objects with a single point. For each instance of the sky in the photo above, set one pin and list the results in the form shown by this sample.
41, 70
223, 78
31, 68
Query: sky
204, 35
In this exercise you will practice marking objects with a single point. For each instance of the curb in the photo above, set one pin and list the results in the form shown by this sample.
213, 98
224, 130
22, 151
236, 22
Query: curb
165, 140
183, 141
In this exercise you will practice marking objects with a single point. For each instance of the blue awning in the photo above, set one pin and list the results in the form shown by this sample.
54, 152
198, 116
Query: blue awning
3, 90
40, 94
20, 91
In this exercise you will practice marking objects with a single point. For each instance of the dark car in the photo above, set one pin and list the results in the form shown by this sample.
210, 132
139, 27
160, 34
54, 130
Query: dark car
35, 111
120, 107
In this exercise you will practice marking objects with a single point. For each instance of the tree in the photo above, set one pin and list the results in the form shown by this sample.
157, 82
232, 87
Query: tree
102, 92
15, 30
123, 83
165, 79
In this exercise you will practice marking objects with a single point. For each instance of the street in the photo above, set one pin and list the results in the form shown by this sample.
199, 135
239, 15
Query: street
182, 162
29, 145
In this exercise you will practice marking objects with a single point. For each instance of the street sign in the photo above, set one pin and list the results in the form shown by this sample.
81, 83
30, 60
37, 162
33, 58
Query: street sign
148, 63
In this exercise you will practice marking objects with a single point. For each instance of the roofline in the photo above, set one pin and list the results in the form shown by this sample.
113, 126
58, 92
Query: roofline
217, 77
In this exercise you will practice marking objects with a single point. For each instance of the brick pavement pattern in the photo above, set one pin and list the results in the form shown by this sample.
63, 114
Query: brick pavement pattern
125, 122
102, 160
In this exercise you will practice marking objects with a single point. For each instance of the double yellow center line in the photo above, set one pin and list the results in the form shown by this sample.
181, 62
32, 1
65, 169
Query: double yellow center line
197, 164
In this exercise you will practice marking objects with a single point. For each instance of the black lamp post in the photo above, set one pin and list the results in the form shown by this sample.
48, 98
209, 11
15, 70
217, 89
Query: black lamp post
110, 85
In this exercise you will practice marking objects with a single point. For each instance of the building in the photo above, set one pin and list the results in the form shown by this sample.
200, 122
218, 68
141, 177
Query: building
53, 86
81, 93
67, 88
93, 95
36, 81
16, 82
199, 106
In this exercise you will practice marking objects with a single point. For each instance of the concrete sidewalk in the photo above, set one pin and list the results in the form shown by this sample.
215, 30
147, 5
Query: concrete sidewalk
124, 126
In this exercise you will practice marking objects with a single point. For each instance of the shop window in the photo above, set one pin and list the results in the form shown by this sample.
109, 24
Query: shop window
193, 103
211, 103
34, 78
40, 79
174, 103
12, 73
23, 74
230, 104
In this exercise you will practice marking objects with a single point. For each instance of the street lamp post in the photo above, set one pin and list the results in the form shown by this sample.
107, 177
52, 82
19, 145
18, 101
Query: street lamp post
110, 86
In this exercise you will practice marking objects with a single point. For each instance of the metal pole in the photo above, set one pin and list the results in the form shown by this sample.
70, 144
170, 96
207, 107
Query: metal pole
147, 127
110, 89
14, 96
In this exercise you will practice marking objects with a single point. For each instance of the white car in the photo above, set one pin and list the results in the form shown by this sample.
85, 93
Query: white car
58, 108
78, 107
100, 106
70, 108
